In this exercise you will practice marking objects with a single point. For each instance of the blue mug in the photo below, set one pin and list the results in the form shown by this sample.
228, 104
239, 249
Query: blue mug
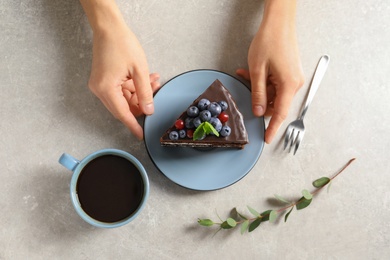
77, 167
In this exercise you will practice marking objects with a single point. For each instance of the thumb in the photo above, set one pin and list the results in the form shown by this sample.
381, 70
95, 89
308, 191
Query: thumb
259, 91
144, 91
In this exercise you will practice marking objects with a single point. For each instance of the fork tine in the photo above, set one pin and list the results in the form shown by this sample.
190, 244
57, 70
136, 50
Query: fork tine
293, 138
298, 142
287, 137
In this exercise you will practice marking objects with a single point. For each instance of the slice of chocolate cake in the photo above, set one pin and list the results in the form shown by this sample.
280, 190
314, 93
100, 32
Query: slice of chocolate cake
212, 120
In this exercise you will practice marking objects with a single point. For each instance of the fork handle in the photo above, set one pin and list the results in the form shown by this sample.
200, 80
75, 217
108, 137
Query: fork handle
315, 83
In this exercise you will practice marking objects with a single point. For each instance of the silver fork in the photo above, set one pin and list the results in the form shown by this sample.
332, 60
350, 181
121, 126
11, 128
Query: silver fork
296, 130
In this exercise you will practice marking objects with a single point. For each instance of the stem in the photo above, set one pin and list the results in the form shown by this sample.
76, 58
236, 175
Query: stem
345, 166
320, 188
296, 202
348, 163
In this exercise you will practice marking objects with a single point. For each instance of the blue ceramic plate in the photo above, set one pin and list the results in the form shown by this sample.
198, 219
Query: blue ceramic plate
193, 168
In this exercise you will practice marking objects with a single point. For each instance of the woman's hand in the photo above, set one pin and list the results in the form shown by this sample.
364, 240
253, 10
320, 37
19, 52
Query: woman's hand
120, 77
120, 74
275, 69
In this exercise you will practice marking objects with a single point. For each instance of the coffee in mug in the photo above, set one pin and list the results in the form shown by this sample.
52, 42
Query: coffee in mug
108, 188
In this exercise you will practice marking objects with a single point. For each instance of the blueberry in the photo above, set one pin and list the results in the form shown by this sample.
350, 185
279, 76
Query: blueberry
214, 108
193, 111
182, 133
197, 121
223, 105
216, 123
225, 131
203, 104
205, 115
174, 135
189, 122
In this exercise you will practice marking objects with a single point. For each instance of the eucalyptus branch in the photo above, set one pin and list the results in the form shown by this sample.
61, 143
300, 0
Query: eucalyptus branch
251, 223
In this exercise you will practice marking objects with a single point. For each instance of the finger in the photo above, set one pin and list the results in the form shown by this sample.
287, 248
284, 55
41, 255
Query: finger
129, 84
131, 96
271, 94
259, 90
154, 77
270, 91
243, 73
119, 107
144, 91
154, 81
270, 109
269, 112
129, 93
132, 101
281, 106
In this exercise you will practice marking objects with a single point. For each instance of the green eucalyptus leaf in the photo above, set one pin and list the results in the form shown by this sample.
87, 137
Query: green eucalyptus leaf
281, 199
231, 222
254, 224
242, 216
321, 182
288, 214
234, 214
253, 211
303, 203
205, 222
330, 184
225, 225
244, 226
272, 215
307, 194
265, 215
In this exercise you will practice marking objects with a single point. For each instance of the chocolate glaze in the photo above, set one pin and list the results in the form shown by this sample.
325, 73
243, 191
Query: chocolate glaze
238, 137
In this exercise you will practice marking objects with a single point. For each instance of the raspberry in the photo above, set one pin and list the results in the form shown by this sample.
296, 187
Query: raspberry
223, 117
179, 124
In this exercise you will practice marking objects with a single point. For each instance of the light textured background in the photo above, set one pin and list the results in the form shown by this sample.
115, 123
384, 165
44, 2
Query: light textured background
46, 109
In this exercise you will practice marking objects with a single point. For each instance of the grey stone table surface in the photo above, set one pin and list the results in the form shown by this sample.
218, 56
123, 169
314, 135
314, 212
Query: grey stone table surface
46, 109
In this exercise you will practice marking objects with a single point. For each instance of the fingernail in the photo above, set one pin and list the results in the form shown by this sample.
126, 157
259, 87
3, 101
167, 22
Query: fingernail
149, 109
258, 110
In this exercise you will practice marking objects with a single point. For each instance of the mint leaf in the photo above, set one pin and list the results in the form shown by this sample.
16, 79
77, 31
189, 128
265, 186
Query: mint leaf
209, 128
203, 129
199, 132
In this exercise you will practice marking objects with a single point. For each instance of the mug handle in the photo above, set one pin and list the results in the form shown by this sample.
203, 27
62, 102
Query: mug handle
68, 161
